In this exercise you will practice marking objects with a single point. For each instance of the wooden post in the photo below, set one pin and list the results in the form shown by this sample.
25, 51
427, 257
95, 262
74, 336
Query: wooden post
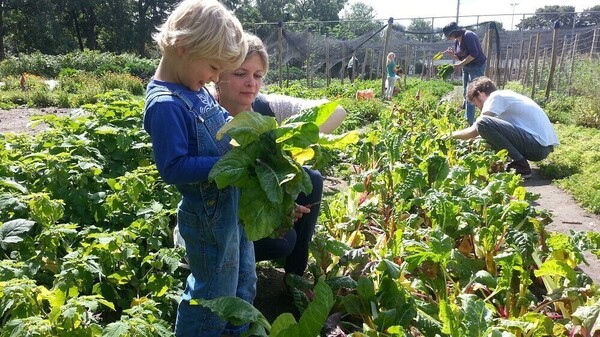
407, 62
343, 67
363, 67
594, 39
425, 65
377, 58
553, 60
327, 62
280, 51
388, 34
526, 81
543, 68
506, 75
512, 62
489, 38
573, 59
535, 64
308, 60
561, 63
520, 60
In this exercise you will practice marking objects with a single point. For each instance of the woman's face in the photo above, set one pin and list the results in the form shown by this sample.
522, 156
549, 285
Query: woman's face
240, 87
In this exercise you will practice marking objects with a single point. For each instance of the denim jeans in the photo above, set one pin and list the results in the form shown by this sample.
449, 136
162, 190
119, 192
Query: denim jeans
293, 245
220, 256
469, 74
518, 142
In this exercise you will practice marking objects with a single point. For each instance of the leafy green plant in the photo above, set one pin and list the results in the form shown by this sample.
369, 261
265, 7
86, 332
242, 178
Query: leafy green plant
445, 71
267, 166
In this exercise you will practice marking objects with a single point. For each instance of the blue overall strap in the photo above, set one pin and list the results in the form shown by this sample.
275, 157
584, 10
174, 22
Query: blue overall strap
261, 105
160, 90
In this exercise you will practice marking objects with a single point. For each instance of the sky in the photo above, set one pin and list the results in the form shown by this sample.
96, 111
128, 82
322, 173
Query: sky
445, 10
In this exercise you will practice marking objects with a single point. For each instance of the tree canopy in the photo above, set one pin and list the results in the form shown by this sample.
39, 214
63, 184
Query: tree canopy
546, 17
126, 26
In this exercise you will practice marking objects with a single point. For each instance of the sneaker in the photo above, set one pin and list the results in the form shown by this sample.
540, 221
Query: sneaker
520, 167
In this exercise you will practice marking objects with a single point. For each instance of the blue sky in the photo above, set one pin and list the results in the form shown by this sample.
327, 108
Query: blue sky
447, 8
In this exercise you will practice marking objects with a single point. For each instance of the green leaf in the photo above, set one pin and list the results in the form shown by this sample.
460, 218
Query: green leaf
232, 169
116, 329
553, 267
449, 319
12, 231
318, 114
281, 323
233, 309
299, 135
339, 142
13, 185
366, 290
270, 183
246, 127
589, 317
477, 317
312, 320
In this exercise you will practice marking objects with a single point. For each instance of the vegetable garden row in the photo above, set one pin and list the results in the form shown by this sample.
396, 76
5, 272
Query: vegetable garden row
430, 237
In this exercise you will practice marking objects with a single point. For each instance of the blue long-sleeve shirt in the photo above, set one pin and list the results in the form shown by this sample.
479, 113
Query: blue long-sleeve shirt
172, 128
470, 45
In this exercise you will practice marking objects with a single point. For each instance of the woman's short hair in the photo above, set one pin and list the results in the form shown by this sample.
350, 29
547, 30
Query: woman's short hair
257, 47
204, 29
480, 84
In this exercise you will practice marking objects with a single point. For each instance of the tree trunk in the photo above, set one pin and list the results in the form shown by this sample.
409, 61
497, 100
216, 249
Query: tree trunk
77, 29
90, 28
141, 48
2, 55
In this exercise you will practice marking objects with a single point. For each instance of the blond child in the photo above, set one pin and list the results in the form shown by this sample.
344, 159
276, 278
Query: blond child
199, 40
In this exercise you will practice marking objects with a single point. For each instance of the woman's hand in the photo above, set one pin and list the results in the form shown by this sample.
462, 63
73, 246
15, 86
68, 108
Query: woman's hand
449, 51
300, 211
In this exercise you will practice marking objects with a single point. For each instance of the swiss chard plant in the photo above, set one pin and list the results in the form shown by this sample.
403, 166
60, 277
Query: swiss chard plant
266, 163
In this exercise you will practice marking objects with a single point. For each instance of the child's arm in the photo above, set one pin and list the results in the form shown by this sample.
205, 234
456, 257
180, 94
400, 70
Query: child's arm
168, 126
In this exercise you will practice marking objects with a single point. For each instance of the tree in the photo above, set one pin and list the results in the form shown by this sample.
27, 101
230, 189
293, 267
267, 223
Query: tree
359, 19
546, 16
421, 30
589, 17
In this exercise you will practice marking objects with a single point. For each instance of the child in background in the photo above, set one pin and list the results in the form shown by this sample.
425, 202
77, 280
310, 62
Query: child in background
391, 75
199, 40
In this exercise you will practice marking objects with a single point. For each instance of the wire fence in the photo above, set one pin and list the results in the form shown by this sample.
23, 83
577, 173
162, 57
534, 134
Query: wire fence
540, 58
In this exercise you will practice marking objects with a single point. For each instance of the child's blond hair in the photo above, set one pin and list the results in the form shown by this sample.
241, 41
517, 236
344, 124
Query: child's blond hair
204, 29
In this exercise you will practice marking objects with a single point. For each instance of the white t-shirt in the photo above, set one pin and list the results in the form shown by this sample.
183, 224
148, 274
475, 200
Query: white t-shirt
286, 106
522, 112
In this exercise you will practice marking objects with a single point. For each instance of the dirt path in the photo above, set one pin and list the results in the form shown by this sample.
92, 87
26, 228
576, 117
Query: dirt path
567, 215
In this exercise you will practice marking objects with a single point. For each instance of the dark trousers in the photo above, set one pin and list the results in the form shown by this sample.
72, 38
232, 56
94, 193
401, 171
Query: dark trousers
518, 142
293, 246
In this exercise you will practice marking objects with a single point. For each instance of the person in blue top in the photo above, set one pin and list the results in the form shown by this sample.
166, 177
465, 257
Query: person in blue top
198, 41
471, 59
391, 75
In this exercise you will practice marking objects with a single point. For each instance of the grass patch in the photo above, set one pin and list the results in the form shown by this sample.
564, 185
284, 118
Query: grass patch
575, 164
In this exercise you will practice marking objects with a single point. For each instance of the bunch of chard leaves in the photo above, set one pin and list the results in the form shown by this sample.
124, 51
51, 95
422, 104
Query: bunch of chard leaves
266, 164
445, 70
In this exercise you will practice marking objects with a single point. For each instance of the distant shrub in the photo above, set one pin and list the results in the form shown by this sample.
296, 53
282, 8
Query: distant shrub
51, 66
132, 84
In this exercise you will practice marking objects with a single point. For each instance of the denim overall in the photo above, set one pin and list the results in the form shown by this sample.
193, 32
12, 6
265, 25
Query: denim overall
220, 256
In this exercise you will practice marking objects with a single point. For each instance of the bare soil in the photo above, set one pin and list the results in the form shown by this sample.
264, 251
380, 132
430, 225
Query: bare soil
17, 120
272, 300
